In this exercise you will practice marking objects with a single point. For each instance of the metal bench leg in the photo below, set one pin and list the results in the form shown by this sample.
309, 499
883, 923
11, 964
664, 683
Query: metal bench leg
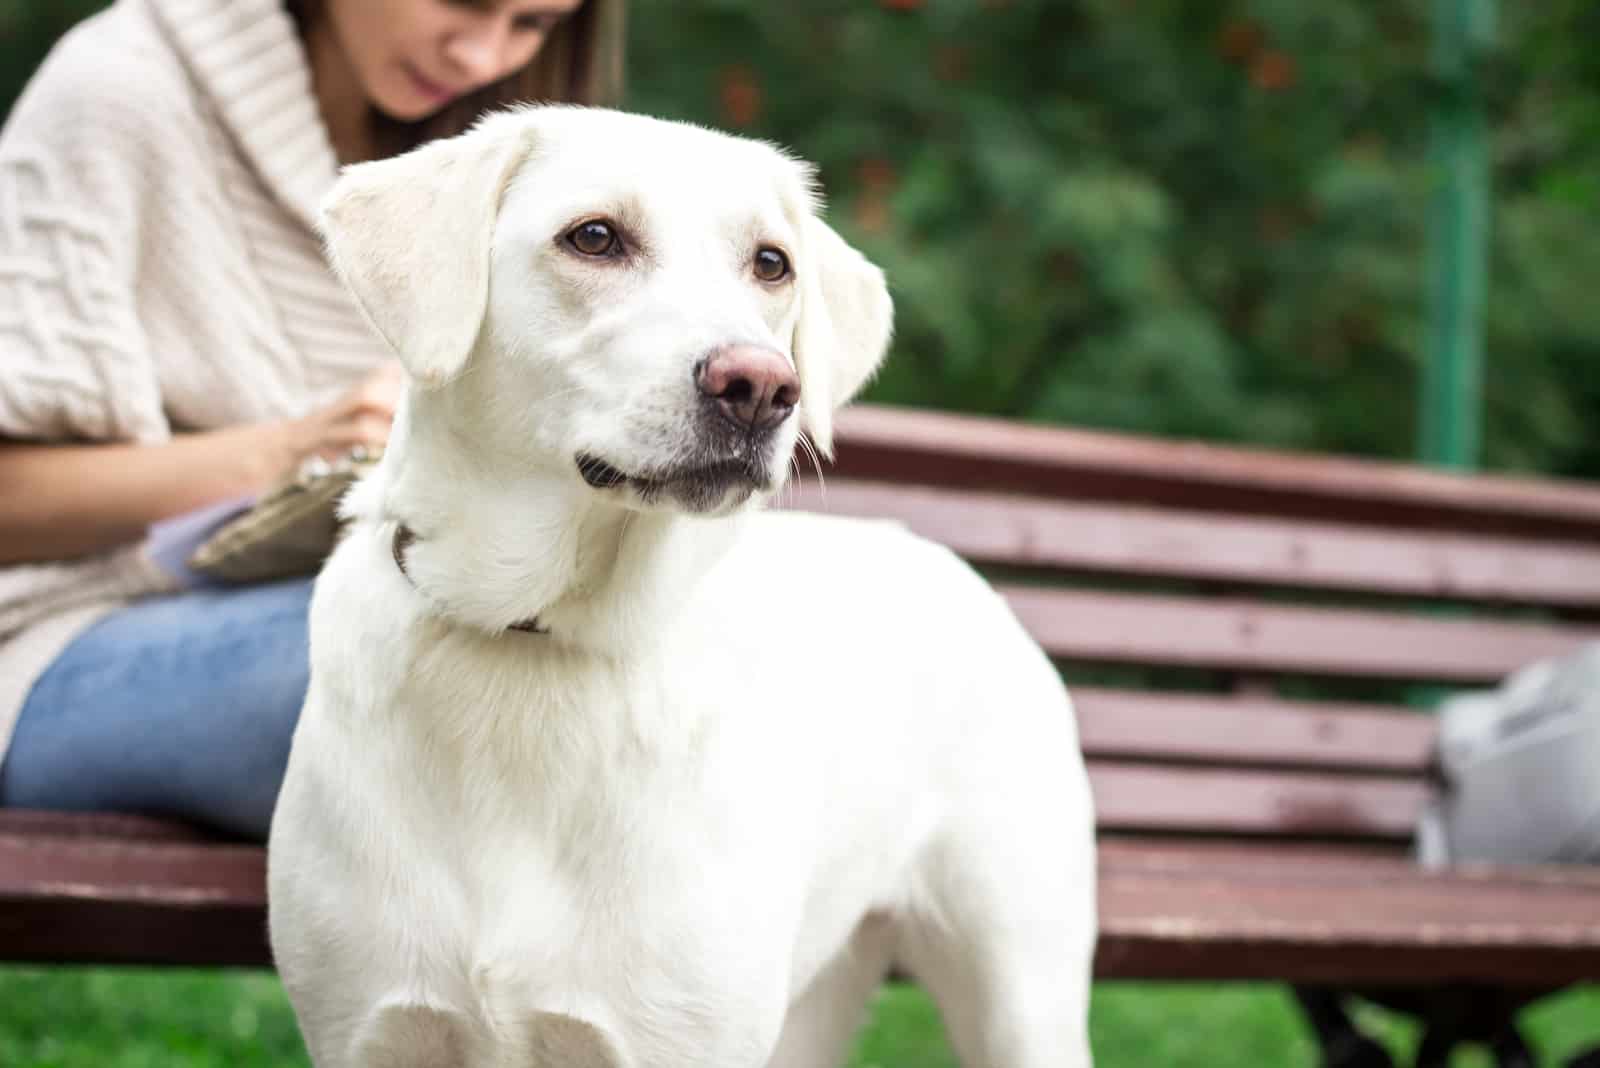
1511, 1050
1343, 1044
1450, 1016
1437, 1043
1445, 1014
1490, 1018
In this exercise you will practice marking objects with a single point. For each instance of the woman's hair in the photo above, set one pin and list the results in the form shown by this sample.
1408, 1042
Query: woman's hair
580, 63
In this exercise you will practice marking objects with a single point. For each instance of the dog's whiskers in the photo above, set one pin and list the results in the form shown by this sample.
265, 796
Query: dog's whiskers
787, 497
804, 441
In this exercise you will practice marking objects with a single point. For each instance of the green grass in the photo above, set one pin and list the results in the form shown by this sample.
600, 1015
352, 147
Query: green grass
130, 1018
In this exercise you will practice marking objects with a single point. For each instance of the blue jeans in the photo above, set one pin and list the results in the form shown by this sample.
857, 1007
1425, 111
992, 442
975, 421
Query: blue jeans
180, 705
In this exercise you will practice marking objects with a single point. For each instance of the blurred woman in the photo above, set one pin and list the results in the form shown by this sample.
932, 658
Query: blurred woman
171, 337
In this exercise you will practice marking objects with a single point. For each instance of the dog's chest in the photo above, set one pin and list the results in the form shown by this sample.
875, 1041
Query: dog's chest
638, 885
655, 948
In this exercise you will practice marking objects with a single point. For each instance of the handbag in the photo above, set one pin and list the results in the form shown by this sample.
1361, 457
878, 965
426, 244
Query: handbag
290, 530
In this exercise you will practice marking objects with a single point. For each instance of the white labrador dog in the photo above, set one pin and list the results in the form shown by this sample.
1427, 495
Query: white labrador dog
600, 767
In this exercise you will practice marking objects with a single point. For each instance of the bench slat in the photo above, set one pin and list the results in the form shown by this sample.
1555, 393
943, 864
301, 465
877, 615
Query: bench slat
1233, 731
1186, 912
1254, 635
1327, 863
1270, 917
942, 449
999, 528
97, 868
1174, 800
112, 825
87, 900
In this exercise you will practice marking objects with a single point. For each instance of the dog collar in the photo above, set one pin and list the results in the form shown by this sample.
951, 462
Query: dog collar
404, 536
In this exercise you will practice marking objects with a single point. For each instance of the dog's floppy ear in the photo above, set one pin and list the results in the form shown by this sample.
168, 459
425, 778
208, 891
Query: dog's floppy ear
410, 237
843, 329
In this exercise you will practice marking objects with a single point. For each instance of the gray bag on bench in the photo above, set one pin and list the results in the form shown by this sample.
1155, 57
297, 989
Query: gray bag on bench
1520, 770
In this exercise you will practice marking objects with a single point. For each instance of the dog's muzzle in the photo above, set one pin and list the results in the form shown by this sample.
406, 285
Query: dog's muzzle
744, 394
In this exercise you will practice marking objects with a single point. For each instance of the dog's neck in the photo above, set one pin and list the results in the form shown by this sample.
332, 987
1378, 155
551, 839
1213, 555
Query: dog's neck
493, 545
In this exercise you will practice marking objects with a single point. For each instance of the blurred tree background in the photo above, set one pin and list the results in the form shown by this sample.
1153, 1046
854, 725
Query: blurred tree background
1199, 218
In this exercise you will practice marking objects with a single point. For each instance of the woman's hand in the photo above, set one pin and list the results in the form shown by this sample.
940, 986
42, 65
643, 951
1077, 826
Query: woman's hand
362, 416
58, 501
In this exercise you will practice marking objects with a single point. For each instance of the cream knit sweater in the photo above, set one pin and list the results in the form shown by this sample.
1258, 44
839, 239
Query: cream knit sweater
159, 268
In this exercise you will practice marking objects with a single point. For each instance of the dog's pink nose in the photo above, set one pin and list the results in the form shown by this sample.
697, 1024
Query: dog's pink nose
753, 386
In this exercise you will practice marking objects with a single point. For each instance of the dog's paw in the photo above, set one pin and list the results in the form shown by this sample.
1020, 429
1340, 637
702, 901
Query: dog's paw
558, 1041
409, 1035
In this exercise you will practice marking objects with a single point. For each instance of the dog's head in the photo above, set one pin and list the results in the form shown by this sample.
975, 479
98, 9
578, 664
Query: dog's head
651, 307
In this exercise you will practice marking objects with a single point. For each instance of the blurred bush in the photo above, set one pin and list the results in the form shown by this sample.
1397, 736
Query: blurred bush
1165, 216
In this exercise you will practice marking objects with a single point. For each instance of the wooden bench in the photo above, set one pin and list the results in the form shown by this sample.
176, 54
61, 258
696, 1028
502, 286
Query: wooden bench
1251, 639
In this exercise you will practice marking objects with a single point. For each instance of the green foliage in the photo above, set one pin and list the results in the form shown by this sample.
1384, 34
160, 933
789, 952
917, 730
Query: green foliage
1175, 217
1163, 216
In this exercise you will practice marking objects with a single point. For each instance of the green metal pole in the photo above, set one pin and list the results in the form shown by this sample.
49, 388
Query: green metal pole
1458, 237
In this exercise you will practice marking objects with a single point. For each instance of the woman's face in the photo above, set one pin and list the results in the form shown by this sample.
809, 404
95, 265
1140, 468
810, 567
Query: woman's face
412, 57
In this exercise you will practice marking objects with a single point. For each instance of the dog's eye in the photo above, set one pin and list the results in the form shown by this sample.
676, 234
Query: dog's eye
771, 265
594, 238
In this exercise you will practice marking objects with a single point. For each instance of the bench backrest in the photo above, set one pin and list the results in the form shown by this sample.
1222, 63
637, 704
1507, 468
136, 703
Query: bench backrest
1253, 639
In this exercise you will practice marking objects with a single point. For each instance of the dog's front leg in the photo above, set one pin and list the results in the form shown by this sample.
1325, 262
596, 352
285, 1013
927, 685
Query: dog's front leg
823, 1021
407, 1035
1009, 1007
1003, 937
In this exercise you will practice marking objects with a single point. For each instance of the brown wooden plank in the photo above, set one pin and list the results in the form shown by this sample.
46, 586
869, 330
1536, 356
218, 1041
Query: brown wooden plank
1251, 635
87, 866
1189, 912
1321, 863
152, 931
114, 825
1140, 725
1322, 860
88, 900
1001, 528
1396, 925
938, 448
1189, 800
